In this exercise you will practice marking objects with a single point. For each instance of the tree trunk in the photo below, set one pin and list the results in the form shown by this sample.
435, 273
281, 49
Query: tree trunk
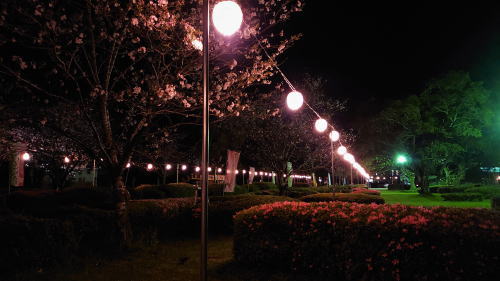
121, 198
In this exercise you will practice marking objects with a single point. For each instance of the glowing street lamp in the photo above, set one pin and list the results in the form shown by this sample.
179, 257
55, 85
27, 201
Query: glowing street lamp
334, 135
227, 17
401, 159
26, 156
197, 169
128, 165
209, 169
341, 150
168, 167
149, 167
294, 100
320, 125
219, 170
66, 159
244, 171
349, 158
184, 167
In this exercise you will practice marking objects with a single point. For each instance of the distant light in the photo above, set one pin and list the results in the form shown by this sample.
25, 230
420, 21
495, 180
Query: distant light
66, 159
197, 169
334, 135
128, 165
184, 167
341, 150
378, 178
244, 171
321, 125
284, 175
227, 17
294, 100
26, 156
401, 159
149, 167
168, 166
265, 174
209, 169
261, 173
396, 178
498, 178
236, 172
197, 44
219, 170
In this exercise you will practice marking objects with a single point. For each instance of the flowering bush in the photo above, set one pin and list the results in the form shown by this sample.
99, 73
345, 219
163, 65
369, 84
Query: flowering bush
345, 197
349, 241
365, 191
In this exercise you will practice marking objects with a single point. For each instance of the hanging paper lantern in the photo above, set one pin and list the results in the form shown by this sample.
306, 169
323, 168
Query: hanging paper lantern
334, 135
294, 100
320, 125
341, 150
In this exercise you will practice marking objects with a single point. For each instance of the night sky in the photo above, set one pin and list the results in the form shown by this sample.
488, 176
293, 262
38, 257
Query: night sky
377, 52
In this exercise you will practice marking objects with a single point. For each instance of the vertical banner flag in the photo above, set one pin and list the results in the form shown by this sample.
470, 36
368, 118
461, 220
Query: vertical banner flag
251, 174
289, 172
231, 167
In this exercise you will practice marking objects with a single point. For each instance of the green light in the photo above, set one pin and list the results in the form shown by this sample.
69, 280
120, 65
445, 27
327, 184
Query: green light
401, 159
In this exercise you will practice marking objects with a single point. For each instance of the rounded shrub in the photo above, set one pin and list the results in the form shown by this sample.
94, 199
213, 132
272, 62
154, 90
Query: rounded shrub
488, 191
349, 241
297, 192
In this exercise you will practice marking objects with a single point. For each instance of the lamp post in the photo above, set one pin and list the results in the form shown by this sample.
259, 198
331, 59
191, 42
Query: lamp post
227, 20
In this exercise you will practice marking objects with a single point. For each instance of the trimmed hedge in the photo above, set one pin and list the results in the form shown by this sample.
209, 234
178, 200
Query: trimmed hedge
495, 203
344, 197
222, 209
349, 241
343, 189
488, 191
297, 192
366, 191
153, 220
171, 190
462, 196
451, 189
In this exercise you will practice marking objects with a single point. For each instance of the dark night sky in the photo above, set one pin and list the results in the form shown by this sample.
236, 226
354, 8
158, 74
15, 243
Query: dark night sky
378, 52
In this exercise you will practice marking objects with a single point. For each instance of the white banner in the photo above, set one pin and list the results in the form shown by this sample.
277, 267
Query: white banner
231, 167
251, 174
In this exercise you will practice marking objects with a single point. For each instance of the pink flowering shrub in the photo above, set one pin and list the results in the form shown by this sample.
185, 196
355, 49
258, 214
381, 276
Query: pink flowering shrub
365, 191
349, 241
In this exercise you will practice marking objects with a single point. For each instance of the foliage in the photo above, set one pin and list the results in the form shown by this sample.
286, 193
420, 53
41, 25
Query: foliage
171, 190
117, 78
495, 203
462, 196
365, 191
154, 220
488, 191
344, 197
439, 129
343, 189
401, 241
451, 189
296, 192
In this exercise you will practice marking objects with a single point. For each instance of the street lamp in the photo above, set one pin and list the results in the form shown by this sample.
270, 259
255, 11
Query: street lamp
227, 19
26, 156
66, 159
401, 159
294, 100
320, 125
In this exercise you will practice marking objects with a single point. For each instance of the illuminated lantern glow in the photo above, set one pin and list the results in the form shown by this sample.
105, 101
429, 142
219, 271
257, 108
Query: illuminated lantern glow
26, 156
184, 167
209, 169
168, 167
128, 165
498, 178
349, 158
149, 167
236, 171
334, 135
356, 166
261, 173
321, 125
219, 170
197, 169
294, 100
341, 150
66, 159
197, 44
227, 17
244, 171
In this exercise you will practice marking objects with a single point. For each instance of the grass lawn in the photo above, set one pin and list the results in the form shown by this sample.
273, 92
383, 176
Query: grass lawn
415, 199
172, 260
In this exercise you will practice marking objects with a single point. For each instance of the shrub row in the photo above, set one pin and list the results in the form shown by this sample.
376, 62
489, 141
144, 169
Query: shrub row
344, 197
365, 191
462, 196
349, 241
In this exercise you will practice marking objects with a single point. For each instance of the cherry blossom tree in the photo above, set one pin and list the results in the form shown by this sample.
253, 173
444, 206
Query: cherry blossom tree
111, 75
